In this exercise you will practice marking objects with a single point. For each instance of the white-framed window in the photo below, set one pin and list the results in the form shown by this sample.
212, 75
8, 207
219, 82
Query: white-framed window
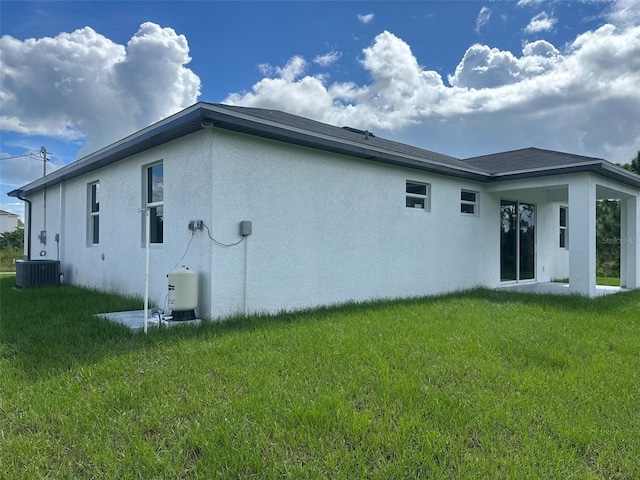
93, 213
418, 195
468, 202
154, 200
564, 230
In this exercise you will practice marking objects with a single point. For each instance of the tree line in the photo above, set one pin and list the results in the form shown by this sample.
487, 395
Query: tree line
14, 239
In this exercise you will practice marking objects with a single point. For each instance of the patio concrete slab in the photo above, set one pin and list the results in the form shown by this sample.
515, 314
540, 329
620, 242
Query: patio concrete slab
557, 288
135, 320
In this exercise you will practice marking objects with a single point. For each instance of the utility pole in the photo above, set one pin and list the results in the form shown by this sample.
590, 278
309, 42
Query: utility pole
43, 234
43, 152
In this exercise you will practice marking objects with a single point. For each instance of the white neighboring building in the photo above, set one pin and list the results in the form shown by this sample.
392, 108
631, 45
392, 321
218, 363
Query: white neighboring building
8, 221
337, 214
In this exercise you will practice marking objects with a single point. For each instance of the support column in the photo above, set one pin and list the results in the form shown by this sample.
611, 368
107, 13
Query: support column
630, 242
582, 236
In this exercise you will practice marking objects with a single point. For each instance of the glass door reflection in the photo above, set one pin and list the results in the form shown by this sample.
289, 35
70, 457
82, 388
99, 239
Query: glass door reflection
517, 240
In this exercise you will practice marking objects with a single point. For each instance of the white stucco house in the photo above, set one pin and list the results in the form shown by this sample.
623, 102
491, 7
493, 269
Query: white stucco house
8, 221
336, 214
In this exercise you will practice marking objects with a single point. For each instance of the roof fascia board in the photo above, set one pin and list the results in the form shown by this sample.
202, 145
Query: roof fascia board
321, 141
601, 167
532, 172
620, 174
246, 123
111, 153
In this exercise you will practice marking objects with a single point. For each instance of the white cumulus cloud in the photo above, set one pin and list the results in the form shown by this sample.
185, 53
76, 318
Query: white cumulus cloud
83, 85
327, 59
624, 12
523, 3
483, 18
485, 67
368, 18
14, 170
293, 69
541, 23
583, 99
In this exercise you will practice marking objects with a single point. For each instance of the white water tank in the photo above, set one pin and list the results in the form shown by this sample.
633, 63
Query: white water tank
183, 289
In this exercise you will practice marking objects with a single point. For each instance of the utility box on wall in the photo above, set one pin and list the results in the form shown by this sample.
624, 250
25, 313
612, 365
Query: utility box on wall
37, 273
246, 228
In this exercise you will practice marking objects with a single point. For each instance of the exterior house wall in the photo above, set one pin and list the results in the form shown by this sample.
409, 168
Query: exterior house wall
326, 228
8, 222
117, 263
45, 219
329, 229
557, 265
630, 243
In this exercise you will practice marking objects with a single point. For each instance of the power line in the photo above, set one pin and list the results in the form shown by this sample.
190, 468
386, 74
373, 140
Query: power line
30, 154
35, 155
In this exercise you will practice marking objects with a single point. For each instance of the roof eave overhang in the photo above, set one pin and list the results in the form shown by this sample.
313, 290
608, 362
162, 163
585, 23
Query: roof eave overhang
275, 131
171, 128
599, 167
205, 115
197, 117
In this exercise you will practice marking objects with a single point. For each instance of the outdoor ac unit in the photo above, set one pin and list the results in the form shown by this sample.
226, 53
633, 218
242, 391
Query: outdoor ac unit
37, 273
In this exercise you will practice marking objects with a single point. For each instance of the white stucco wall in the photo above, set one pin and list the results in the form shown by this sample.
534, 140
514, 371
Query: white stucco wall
8, 222
48, 221
117, 263
326, 228
331, 229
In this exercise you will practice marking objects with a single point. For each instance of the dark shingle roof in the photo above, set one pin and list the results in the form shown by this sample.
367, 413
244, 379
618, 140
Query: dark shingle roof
284, 127
527, 159
347, 133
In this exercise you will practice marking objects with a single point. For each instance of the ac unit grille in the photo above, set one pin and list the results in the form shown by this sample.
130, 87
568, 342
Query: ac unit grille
37, 273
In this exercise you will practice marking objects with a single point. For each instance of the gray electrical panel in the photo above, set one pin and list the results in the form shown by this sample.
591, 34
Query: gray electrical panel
245, 227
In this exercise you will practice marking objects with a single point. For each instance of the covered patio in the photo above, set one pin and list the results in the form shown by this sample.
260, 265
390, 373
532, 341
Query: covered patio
565, 206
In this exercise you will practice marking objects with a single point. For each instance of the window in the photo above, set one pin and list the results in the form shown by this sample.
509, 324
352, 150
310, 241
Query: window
468, 202
93, 220
155, 201
564, 218
418, 195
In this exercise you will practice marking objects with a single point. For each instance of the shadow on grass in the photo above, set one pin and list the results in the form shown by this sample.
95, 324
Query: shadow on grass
50, 330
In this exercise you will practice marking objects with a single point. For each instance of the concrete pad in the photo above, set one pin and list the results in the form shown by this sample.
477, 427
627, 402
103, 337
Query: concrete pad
557, 288
135, 320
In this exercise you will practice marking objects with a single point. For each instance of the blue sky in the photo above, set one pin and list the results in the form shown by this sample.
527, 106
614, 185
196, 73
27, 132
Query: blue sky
463, 78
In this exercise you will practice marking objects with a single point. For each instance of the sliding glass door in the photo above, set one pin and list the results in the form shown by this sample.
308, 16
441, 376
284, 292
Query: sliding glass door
517, 241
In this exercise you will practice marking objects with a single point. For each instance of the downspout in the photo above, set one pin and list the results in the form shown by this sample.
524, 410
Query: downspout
28, 202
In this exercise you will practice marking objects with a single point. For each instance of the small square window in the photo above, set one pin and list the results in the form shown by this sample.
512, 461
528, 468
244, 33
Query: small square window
417, 195
468, 202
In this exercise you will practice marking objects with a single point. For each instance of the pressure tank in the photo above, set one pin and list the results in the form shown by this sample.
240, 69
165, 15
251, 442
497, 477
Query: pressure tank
183, 293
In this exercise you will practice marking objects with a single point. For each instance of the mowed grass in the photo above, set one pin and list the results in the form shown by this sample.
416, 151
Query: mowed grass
479, 384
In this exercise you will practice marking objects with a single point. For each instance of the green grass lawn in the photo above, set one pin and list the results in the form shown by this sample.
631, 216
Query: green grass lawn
479, 384
612, 281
